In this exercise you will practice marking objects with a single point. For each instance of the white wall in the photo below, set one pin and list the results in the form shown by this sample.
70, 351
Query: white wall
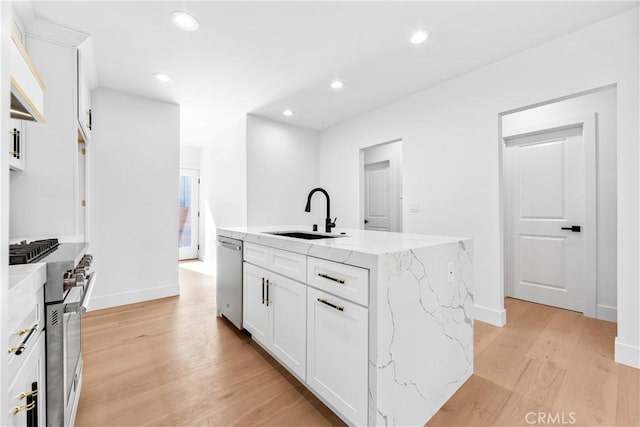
282, 167
5, 24
450, 141
190, 157
603, 103
133, 162
223, 186
43, 201
391, 152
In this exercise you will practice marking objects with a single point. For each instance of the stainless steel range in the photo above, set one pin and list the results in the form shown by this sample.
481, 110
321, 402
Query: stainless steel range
67, 292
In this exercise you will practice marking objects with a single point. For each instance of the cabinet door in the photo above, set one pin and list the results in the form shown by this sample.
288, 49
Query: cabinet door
254, 307
337, 353
287, 309
27, 392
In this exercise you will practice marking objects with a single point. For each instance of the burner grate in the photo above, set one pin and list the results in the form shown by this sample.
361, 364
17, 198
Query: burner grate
25, 253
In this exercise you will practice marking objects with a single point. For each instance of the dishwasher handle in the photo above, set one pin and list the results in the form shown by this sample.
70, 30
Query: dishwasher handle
229, 245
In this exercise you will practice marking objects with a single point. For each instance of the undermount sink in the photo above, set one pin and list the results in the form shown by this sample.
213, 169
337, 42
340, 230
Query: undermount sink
304, 235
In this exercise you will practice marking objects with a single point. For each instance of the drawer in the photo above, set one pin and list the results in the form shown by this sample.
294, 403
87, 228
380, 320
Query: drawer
29, 378
256, 254
288, 264
346, 281
19, 329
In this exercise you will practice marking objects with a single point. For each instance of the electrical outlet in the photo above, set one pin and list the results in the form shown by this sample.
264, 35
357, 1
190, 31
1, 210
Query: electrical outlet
450, 272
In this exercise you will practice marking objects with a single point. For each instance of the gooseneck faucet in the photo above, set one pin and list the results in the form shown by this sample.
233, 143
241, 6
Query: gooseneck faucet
328, 225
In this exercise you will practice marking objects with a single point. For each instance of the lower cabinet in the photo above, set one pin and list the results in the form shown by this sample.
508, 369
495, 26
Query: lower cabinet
337, 353
26, 397
274, 312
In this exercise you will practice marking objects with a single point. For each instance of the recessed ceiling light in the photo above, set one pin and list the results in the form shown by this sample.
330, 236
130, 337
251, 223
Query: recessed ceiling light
162, 77
337, 84
184, 21
419, 37
287, 113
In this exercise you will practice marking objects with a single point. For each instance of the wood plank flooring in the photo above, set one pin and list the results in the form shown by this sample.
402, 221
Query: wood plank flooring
172, 362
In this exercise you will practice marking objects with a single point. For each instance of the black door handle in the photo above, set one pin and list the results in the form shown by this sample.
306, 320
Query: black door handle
366, 221
573, 228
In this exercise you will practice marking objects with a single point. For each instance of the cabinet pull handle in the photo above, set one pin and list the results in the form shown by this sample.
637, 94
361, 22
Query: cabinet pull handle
267, 300
27, 394
23, 346
21, 332
326, 276
19, 409
337, 307
90, 119
18, 148
263, 290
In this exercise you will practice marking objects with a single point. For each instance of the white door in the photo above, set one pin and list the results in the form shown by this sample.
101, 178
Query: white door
254, 307
288, 315
376, 196
188, 214
551, 214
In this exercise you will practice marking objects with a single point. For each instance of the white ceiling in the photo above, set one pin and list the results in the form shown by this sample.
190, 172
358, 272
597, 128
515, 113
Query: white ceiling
263, 57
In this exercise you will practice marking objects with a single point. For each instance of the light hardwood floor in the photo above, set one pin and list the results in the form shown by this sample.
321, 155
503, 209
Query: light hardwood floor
172, 362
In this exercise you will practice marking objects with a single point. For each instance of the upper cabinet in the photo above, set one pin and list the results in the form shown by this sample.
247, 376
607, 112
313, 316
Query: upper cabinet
27, 88
84, 91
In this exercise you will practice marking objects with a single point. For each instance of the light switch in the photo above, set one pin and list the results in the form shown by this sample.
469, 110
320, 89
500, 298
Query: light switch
450, 273
414, 207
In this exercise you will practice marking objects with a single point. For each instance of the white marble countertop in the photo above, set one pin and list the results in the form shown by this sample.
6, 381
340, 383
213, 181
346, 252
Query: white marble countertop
354, 240
21, 272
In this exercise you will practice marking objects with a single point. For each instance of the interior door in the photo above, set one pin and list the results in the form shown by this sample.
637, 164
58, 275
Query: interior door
550, 216
376, 196
189, 214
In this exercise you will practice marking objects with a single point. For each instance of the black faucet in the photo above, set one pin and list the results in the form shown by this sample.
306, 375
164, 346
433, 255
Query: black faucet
328, 225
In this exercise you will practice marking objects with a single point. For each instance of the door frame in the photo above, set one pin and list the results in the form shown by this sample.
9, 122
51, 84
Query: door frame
588, 124
194, 197
361, 178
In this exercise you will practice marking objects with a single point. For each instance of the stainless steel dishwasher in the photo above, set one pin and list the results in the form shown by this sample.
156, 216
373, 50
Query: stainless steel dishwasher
229, 279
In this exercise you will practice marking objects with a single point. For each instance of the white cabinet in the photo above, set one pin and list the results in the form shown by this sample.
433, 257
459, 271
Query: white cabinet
16, 145
346, 281
255, 311
337, 353
274, 312
26, 395
85, 121
289, 264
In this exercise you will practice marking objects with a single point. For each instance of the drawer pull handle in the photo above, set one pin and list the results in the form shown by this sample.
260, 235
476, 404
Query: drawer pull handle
21, 332
28, 394
337, 307
326, 276
23, 346
19, 409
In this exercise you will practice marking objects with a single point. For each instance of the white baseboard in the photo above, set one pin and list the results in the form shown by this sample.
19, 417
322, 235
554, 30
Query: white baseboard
490, 315
627, 354
124, 298
607, 312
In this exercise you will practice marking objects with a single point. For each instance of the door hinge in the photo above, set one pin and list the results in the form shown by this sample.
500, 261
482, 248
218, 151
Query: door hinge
84, 151
198, 247
198, 214
83, 203
198, 180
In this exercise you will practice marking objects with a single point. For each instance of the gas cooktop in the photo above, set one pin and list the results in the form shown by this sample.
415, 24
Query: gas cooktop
25, 253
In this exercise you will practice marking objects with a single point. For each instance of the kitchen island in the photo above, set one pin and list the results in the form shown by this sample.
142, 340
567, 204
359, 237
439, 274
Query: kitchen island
378, 325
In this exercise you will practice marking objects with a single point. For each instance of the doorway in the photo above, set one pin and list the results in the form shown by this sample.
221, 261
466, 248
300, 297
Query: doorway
189, 214
540, 197
381, 187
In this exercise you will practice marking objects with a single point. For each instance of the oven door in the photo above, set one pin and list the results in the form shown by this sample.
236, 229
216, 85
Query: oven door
74, 305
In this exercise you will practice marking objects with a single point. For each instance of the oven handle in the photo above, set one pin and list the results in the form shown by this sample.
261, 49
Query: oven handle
81, 306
